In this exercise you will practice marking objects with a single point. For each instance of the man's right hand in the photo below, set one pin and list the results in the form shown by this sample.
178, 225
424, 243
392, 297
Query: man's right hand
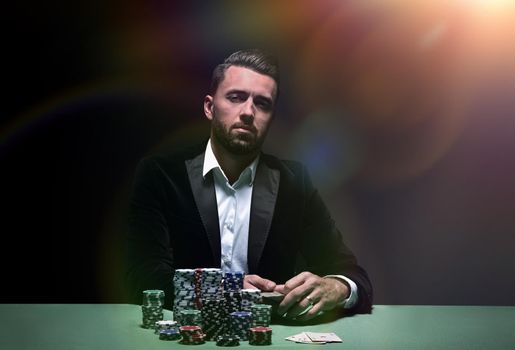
306, 294
257, 282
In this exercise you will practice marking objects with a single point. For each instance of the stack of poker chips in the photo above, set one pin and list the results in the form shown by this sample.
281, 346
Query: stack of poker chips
240, 324
192, 335
152, 307
207, 312
261, 315
227, 340
233, 284
233, 281
184, 288
169, 334
211, 284
232, 301
191, 285
165, 324
190, 318
250, 297
213, 317
197, 287
260, 336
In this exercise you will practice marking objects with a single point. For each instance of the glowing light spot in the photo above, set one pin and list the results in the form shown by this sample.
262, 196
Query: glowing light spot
489, 5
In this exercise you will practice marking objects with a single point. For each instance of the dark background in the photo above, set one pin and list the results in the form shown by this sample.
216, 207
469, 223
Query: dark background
403, 114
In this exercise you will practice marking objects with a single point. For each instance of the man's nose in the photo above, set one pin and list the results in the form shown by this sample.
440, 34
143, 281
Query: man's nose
247, 111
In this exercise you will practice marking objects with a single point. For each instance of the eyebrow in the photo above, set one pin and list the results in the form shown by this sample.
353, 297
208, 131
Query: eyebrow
263, 97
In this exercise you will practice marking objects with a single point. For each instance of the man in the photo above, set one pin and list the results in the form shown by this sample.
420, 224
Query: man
226, 204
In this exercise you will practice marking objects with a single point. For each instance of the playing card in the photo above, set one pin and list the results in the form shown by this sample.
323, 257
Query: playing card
303, 338
323, 337
272, 296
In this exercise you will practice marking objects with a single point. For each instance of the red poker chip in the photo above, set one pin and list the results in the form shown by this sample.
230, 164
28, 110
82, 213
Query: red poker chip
190, 328
261, 329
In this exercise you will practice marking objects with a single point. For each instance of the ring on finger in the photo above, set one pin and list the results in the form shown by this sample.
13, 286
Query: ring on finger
310, 300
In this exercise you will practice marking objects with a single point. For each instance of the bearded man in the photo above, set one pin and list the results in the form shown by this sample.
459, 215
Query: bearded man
226, 204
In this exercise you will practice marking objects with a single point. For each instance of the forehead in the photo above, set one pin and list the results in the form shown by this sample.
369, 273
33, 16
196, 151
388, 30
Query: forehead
244, 79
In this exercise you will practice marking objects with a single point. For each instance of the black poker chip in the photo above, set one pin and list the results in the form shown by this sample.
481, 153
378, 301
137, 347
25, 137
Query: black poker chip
228, 340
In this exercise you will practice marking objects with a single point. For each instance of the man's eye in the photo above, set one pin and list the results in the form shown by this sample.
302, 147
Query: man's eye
265, 105
235, 98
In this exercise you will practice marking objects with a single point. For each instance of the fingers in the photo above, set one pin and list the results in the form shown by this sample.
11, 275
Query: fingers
293, 302
329, 293
307, 294
257, 282
279, 289
296, 289
297, 281
311, 313
305, 305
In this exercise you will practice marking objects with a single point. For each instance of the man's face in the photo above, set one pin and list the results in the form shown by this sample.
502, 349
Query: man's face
241, 110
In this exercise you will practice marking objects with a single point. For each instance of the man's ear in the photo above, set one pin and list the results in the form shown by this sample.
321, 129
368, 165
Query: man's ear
208, 107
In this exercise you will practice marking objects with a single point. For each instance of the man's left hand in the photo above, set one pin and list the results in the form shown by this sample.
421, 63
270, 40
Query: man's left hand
307, 290
258, 282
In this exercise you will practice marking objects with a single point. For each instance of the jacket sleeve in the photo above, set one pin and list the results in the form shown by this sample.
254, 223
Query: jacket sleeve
324, 250
149, 256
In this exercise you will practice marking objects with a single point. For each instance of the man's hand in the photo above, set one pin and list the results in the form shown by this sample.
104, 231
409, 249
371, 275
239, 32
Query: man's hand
307, 290
256, 282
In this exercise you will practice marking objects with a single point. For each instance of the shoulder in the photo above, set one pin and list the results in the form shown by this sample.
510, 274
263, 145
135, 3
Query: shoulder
287, 167
294, 177
171, 161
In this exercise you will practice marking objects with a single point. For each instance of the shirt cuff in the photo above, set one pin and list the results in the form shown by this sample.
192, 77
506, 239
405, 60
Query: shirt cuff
353, 296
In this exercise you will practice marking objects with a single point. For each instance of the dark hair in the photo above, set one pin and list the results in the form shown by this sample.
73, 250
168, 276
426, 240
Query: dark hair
255, 59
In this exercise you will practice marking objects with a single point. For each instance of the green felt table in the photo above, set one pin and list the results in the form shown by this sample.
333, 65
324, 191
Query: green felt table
117, 326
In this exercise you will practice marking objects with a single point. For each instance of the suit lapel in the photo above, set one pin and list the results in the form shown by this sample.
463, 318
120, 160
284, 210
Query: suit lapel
205, 198
264, 195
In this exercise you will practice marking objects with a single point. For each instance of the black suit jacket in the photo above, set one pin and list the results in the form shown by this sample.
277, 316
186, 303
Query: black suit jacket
173, 223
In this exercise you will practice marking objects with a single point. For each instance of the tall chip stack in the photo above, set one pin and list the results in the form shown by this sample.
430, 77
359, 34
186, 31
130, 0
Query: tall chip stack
232, 301
211, 284
249, 297
198, 288
191, 285
184, 290
152, 307
261, 315
233, 281
233, 284
213, 317
240, 324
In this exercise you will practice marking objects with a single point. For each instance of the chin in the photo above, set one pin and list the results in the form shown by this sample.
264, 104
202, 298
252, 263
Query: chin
243, 148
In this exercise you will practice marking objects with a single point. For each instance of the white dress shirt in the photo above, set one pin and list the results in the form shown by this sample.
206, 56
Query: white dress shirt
233, 211
234, 216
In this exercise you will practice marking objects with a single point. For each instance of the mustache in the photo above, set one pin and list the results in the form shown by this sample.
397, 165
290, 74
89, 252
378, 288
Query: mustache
248, 127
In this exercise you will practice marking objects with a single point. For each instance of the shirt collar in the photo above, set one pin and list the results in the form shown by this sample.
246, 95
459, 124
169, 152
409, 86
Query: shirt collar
211, 163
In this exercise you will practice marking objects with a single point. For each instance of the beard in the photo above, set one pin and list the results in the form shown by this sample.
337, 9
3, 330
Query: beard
235, 142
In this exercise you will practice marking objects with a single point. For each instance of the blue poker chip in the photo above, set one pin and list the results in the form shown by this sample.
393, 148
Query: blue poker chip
241, 314
169, 334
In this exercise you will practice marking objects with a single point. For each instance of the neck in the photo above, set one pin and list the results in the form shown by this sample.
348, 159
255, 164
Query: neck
232, 164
